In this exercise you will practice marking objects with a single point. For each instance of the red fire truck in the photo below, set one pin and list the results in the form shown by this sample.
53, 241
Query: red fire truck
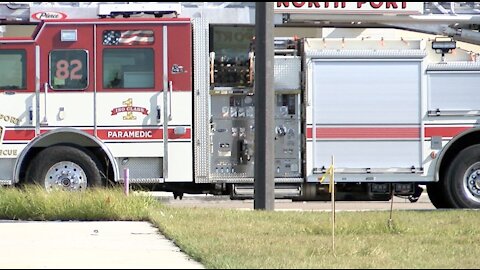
84, 99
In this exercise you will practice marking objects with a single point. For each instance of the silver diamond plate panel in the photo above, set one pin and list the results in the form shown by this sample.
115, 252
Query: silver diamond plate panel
5, 183
201, 100
6, 170
237, 180
286, 73
356, 54
289, 180
144, 180
455, 66
141, 169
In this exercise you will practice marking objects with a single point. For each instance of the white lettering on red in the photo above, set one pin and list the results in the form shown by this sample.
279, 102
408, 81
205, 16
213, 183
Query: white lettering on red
374, 5
129, 134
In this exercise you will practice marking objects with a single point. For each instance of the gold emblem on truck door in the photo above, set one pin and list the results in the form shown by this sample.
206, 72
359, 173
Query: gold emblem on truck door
129, 109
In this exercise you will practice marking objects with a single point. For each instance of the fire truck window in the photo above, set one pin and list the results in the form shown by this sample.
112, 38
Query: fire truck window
231, 45
68, 69
12, 70
128, 68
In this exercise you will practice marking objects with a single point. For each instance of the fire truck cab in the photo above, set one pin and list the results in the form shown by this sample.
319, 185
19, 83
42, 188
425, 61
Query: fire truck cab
105, 93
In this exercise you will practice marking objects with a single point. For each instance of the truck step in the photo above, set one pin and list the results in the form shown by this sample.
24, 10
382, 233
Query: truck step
6, 183
281, 191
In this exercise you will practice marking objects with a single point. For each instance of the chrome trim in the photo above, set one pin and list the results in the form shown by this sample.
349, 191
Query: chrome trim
37, 90
95, 81
439, 112
45, 120
170, 89
165, 102
416, 54
367, 171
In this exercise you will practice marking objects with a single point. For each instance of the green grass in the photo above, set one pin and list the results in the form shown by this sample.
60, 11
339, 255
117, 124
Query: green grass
222, 238
34, 203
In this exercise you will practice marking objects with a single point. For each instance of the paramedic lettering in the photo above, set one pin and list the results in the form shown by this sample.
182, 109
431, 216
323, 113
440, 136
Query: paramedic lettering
129, 134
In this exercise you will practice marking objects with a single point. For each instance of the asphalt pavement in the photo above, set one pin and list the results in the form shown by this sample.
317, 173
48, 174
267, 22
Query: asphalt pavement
209, 201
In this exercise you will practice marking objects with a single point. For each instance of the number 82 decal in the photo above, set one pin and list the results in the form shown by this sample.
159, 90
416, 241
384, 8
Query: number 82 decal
63, 69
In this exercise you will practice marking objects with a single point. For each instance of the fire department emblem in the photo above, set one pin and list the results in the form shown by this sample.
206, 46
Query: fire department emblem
129, 109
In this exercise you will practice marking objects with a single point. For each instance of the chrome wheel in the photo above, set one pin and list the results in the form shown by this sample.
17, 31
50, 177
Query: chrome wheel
66, 175
471, 183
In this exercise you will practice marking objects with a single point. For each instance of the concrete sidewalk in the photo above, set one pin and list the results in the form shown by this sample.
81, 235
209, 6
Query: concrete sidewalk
88, 244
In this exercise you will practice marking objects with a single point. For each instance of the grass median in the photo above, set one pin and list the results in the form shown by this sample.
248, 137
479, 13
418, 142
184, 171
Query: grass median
222, 238
34, 203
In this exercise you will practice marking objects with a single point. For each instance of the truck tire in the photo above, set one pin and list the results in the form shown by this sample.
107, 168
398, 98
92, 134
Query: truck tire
462, 182
64, 167
436, 195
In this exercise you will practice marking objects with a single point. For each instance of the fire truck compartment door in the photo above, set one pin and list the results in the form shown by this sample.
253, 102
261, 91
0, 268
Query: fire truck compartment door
453, 90
365, 112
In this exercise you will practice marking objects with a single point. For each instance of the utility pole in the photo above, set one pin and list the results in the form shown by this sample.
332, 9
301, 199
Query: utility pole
264, 108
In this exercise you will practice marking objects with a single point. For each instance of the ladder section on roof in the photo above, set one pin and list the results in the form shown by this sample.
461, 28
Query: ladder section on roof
126, 10
452, 8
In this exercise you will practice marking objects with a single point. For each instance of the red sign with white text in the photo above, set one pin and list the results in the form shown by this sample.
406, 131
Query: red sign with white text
406, 8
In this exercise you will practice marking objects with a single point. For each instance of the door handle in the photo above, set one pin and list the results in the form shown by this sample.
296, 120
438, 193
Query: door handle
170, 89
45, 120
159, 114
30, 115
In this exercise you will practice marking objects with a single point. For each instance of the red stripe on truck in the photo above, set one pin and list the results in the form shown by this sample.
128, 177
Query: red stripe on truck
365, 133
106, 134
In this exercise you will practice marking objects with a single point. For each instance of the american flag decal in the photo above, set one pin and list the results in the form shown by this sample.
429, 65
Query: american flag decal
128, 37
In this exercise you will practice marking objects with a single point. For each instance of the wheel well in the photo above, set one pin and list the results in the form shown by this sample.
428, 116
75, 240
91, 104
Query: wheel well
457, 145
70, 137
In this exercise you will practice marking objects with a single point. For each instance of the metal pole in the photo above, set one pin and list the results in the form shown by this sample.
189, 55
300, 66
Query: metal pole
332, 182
264, 108
390, 221
126, 181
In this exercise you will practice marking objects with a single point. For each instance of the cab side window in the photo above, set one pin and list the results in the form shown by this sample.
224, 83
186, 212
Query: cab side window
68, 69
128, 68
13, 70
